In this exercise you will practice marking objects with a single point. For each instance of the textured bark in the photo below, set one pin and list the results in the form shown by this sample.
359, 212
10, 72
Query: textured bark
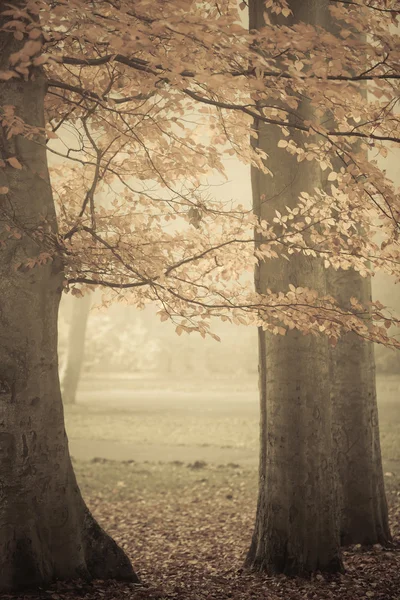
361, 500
46, 531
362, 505
76, 348
296, 531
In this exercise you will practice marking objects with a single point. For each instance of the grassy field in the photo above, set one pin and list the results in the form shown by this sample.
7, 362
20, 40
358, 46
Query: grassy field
189, 416
182, 412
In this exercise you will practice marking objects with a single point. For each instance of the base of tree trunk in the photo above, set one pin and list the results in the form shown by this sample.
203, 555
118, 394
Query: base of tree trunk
97, 557
104, 558
366, 534
47, 533
281, 563
291, 568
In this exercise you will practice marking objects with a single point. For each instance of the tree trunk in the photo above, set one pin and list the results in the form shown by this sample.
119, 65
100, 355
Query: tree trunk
46, 531
361, 500
76, 348
296, 531
363, 514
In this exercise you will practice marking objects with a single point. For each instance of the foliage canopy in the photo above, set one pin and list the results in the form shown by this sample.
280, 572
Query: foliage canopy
146, 99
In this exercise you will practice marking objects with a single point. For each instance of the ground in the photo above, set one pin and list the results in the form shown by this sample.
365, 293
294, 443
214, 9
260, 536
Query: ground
170, 471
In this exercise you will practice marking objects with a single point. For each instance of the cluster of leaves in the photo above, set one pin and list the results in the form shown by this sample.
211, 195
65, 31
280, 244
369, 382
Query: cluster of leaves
146, 100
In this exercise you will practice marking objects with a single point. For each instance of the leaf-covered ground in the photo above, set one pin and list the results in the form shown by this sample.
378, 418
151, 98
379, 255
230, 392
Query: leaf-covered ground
187, 529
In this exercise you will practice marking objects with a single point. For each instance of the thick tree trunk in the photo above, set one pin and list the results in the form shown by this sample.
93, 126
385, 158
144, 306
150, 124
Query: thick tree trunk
296, 530
361, 500
46, 531
363, 514
75, 349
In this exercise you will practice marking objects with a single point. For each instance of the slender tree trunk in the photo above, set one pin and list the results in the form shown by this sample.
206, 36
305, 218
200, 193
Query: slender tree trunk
262, 465
76, 348
46, 531
296, 530
363, 514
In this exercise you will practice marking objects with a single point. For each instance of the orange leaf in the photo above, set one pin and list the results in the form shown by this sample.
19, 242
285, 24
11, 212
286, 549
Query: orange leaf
14, 162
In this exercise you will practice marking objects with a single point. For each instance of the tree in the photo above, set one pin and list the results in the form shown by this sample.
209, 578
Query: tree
296, 530
361, 500
75, 349
122, 80
363, 513
362, 506
47, 531
126, 116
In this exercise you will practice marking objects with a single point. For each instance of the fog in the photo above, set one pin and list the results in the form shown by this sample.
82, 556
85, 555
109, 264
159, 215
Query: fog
147, 394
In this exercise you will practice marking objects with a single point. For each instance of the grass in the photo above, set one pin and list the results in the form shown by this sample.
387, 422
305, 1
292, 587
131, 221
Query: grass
223, 415
114, 480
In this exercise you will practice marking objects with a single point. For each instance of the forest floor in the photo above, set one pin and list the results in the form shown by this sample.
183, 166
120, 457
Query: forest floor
187, 523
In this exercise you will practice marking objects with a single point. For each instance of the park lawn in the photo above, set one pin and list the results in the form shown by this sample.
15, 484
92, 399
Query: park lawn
158, 413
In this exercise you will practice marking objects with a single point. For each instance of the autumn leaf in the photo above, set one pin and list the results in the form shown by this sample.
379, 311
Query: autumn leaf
14, 162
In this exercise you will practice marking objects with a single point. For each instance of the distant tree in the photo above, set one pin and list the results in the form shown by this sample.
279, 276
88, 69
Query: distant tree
119, 341
387, 360
75, 353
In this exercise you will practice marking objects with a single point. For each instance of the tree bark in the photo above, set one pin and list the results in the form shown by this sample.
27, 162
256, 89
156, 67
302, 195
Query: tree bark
46, 531
75, 349
361, 500
296, 528
363, 514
